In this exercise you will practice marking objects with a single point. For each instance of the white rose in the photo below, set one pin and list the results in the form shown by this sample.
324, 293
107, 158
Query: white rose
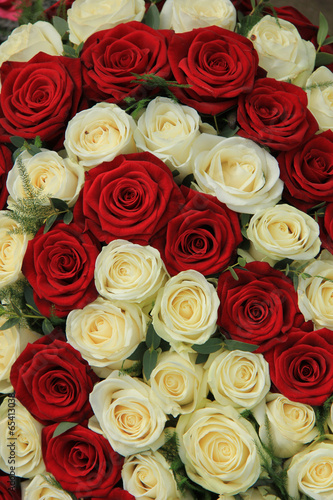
27, 40
20, 440
185, 311
290, 425
219, 449
284, 231
237, 171
167, 129
315, 294
128, 417
86, 17
148, 476
186, 15
99, 134
106, 333
319, 88
129, 272
41, 488
238, 378
281, 50
311, 472
178, 384
13, 246
12, 342
57, 177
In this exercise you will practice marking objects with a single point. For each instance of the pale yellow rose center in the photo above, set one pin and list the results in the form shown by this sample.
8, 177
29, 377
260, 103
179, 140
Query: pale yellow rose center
319, 475
131, 420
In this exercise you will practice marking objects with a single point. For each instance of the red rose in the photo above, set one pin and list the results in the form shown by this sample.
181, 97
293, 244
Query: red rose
59, 266
8, 490
53, 381
301, 368
307, 172
110, 57
132, 198
82, 461
58, 9
203, 236
38, 97
326, 228
9, 9
117, 494
219, 66
260, 307
5, 165
275, 114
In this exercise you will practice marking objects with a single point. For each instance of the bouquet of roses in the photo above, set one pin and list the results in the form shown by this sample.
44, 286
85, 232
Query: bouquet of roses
166, 255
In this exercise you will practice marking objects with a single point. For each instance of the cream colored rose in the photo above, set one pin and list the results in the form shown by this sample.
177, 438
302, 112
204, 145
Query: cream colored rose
281, 50
186, 15
311, 472
290, 425
237, 171
27, 40
238, 378
86, 17
129, 272
178, 384
185, 311
315, 294
12, 342
127, 415
41, 488
219, 449
167, 129
284, 231
319, 88
106, 333
57, 177
147, 476
99, 134
20, 440
13, 246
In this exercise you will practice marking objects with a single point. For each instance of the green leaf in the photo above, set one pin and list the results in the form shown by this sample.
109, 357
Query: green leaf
29, 297
9, 323
253, 4
47, 326
152, 339
68, 217
33, 150
201, 358
60, 25
69, 51
175, 173
149, 362
49, 223
323, 58
187, 181
58, 204
323, 29
17, 141
241, 261
233, 273
63, 427
328, 41
152, 17
138, 353
232, 345
212, 345
295, 281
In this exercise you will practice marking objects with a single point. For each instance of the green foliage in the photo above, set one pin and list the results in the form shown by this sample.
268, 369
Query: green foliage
152, 81
134, 371
322, 414
60, 25
53, 482
323, 58
232, 345
152, 17
322, 31
63, 427
212, 345
31, 11
246, 23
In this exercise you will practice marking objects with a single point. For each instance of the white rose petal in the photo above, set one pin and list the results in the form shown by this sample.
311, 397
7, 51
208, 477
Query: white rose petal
41, 488
86, 17
106, 333
281, 50
186, 15
57, 177
237, 171
99, 134
128, 417
319, 88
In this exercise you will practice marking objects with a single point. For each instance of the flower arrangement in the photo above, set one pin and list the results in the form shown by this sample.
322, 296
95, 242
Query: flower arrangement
166, 268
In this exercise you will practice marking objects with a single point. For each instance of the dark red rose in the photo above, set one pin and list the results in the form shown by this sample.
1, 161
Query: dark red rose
219, 66
8, 490
132, 197
307, 172
260, 307
53, 381
117, 494
58, 9
244, 6
203, 236
5, 165
82, 461
326, 228
275, 114
39, 97
59, 266
301, 368
110, 57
